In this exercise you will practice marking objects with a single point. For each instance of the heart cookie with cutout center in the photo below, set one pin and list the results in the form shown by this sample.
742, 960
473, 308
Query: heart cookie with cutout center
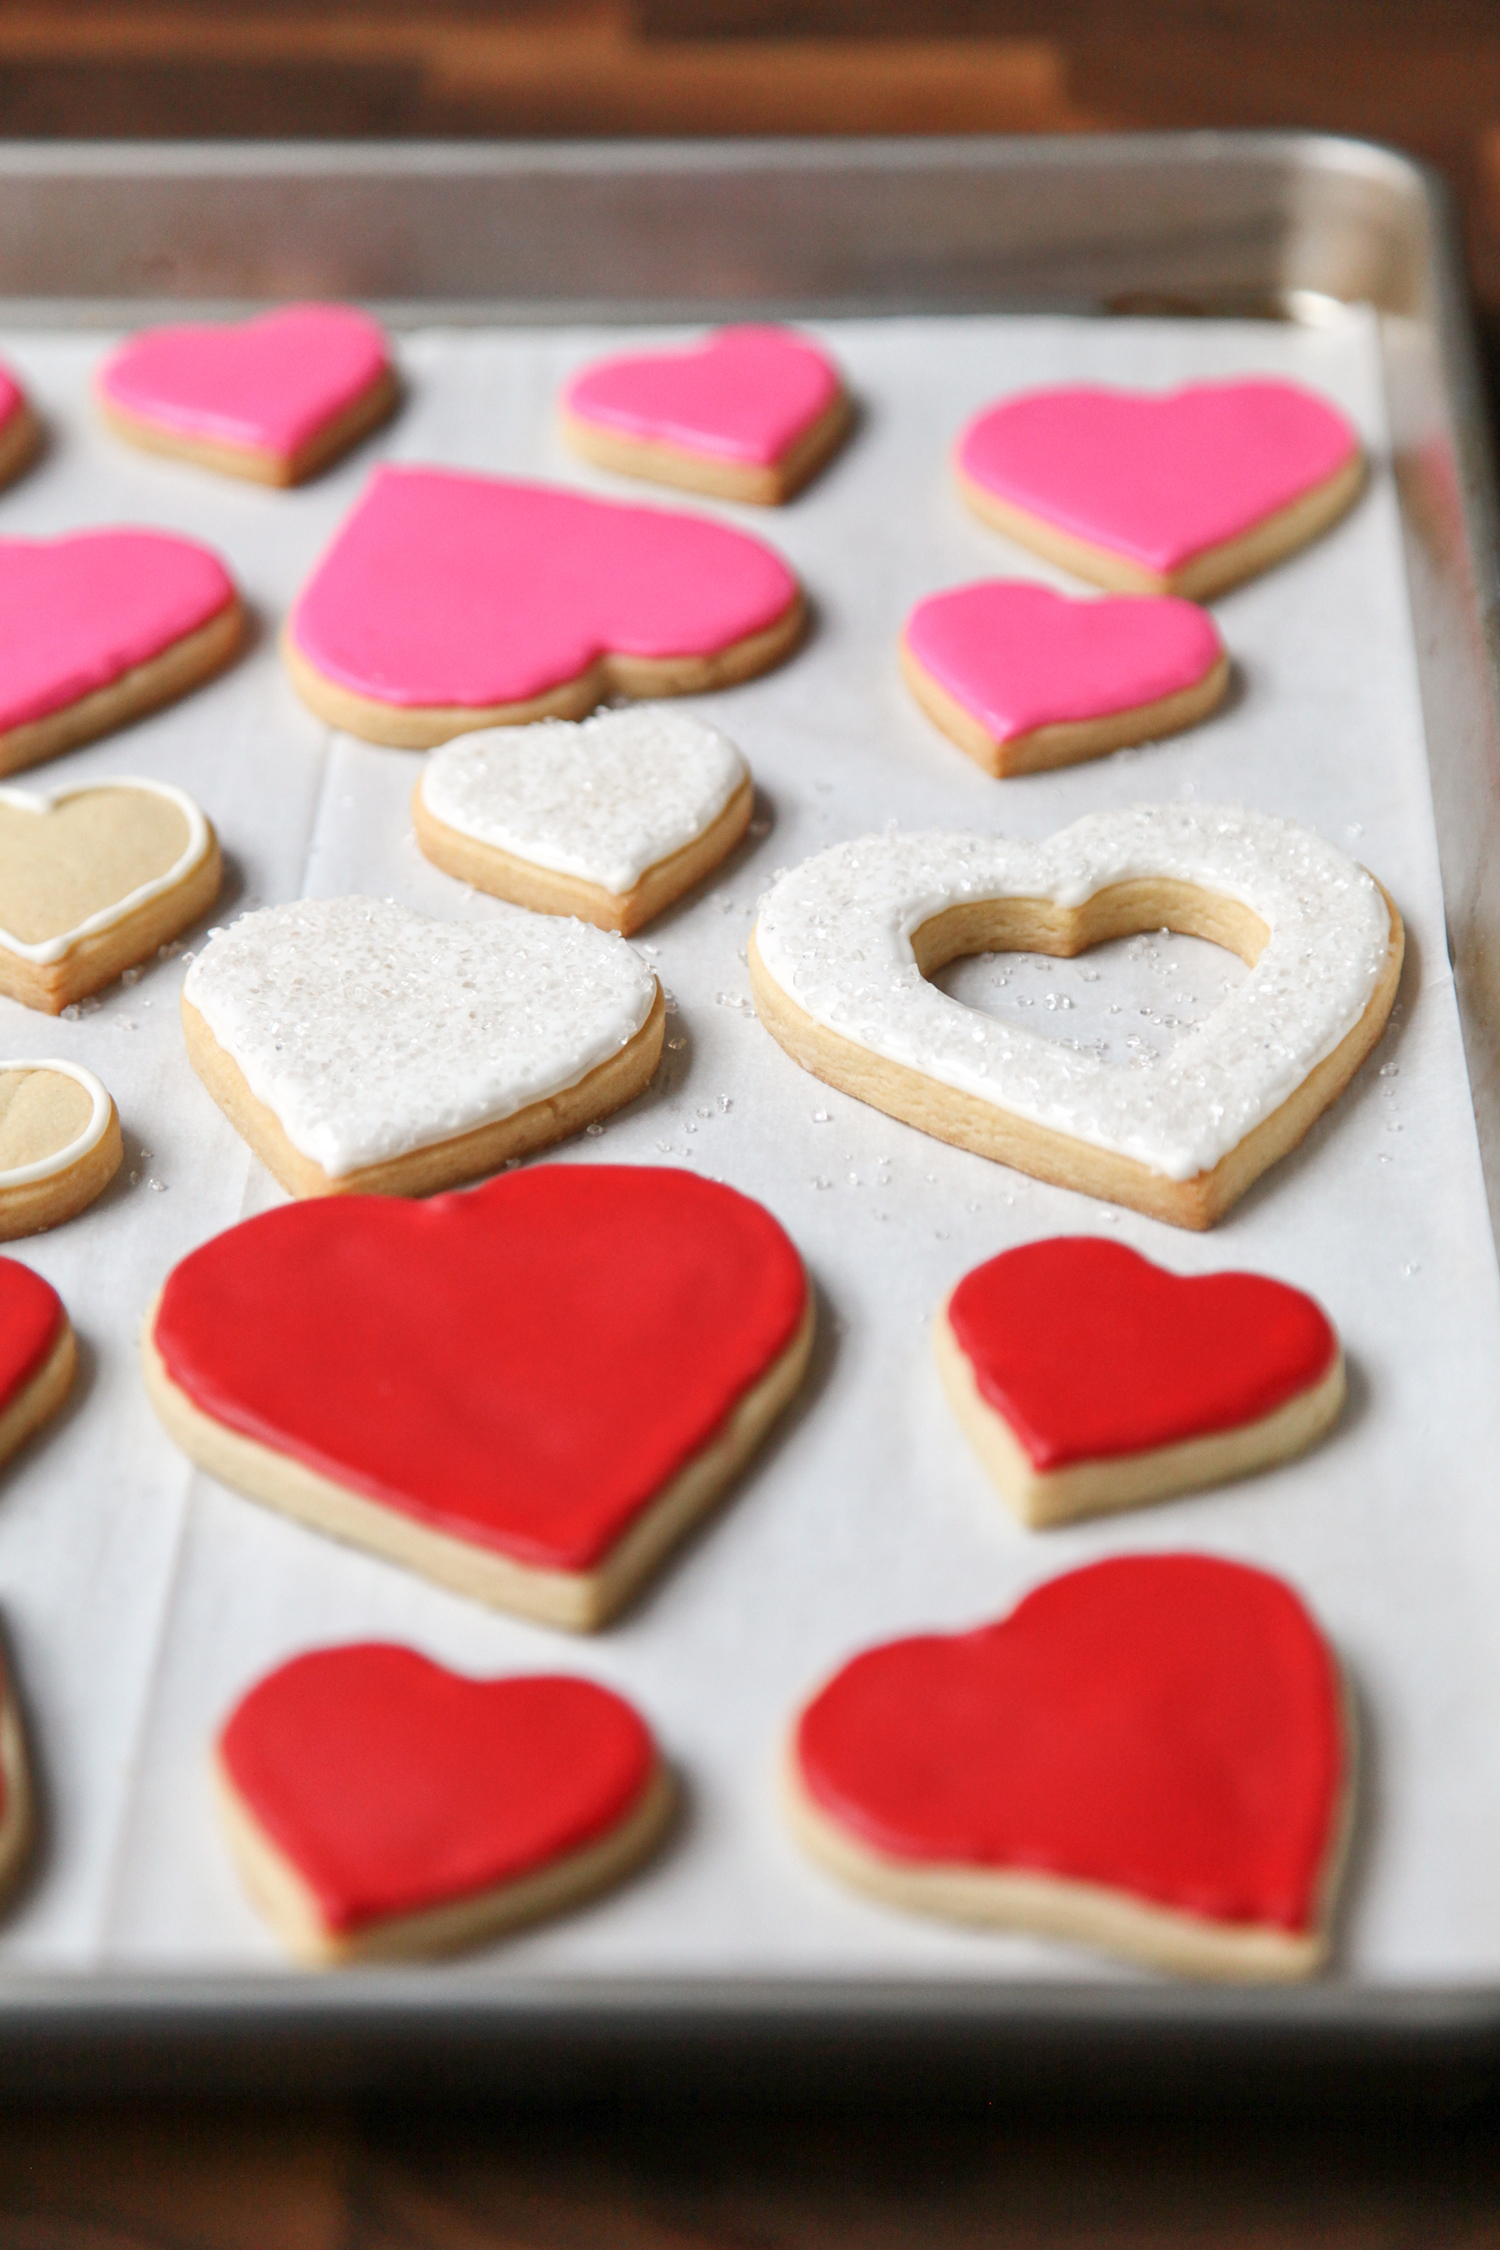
845, 944
1147, 1755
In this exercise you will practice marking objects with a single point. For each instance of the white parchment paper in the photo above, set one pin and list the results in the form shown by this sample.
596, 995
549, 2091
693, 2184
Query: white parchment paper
140, 1599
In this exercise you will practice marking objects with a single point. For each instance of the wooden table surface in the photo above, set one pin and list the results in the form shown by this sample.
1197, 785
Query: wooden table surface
246, 2177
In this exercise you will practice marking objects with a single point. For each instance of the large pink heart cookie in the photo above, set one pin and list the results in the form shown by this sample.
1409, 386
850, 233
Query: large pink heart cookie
1022, 678
20, 431
1148, 1754
451, 601
751, 414
274, 399
1182, 492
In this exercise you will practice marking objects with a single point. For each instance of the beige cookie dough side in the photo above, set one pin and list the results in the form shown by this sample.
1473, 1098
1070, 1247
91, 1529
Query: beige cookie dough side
374, 406
423, 727
20, 443
504, 875
768, 485
145, 687
97, 960
581, 1601
36, 1205
17, 1814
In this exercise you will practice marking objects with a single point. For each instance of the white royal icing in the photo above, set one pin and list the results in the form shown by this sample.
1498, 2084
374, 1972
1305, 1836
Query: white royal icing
370, 1030
74, 1151
602, 798
835, 935
34, 800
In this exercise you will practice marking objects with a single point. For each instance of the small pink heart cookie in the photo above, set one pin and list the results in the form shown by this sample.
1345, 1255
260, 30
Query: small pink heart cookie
20, 431
1178, 492
750, 414
274, 399
1022, 678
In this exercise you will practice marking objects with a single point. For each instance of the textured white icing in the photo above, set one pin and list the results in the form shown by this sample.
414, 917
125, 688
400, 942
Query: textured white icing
602, 798
370, 1030
73, 1152
33, 800
835, 935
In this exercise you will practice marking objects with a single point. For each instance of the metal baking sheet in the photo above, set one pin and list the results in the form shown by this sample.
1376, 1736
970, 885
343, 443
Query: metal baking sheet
141, 1598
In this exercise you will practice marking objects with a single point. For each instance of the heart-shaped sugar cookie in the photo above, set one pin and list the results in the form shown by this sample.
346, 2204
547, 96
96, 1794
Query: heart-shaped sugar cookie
449, 602
20, 431
750, 414
94, 879
1089, 1378
60, 1144
379, 1804
609, 818
528, 1391
360, 1046
1181, 492
38, 1357
274, 399
1022, 678
844, 946
1148, 1755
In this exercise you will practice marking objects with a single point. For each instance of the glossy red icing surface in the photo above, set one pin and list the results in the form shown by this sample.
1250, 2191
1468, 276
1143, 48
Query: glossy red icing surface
1089, 1350
524, 1366
1169, 1726
392, 1784
31, 1320
268, 384
746, 394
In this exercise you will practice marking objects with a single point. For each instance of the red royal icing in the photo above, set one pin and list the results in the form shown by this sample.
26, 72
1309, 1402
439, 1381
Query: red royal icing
1088, 1350
76, 613
392, 1784
268, 384
524, 1366
1156, 478
1018, 656
1169, 1726
31, 1319
470, 591
745, 395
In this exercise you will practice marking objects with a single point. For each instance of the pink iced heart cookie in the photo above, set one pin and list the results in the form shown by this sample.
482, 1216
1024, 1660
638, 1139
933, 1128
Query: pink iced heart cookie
97, 628
751, 414
273, 399
449, 602
1182, 492
1022, 678
20, 431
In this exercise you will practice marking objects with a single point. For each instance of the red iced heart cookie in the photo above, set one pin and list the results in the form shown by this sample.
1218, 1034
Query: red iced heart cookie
273, 399
751, 414
379, 1804
1023, 678
101, 626
448, 602
529, 1391
20, 431
1147, 1755
1088, 1378
1184, 492
38, 1356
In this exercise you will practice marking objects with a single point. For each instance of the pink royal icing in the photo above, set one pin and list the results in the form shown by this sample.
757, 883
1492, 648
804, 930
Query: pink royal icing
746, 394
1019, 657
12, 397
268, 384
446, 589
77, 613
1156, 478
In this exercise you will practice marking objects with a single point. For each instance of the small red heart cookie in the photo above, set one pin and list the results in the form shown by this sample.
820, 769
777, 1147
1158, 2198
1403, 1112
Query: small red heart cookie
1022, 678
274, 399
20, 431
751, 414
16, 1814
1184, 492
38, 1357
1088, 1378
379, 1805
1148, 1755
448, 602
529, 1392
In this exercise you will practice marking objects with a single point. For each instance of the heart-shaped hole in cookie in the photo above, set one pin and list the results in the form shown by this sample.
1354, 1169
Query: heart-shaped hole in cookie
1122, 910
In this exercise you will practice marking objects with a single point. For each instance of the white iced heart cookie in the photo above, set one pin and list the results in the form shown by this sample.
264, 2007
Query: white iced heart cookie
845, 944
60, 1144
608, 818
358, 1046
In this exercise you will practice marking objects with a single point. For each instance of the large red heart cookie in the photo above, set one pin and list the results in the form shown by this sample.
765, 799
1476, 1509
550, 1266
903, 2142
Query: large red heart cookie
751, 414
1089, 1378
1147, 1754
448, 602
1023, 678
38, 1356
529, 1391
379, 1804
273, 399
1182, 492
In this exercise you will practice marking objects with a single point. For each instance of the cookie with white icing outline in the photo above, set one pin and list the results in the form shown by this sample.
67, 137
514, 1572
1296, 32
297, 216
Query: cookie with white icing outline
844, 947
17, 1797
60, 1144
609, 818
362, 1048
92, 880
20, 430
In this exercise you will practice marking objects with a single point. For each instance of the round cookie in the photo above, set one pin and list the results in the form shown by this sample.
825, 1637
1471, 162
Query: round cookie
60, 1144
